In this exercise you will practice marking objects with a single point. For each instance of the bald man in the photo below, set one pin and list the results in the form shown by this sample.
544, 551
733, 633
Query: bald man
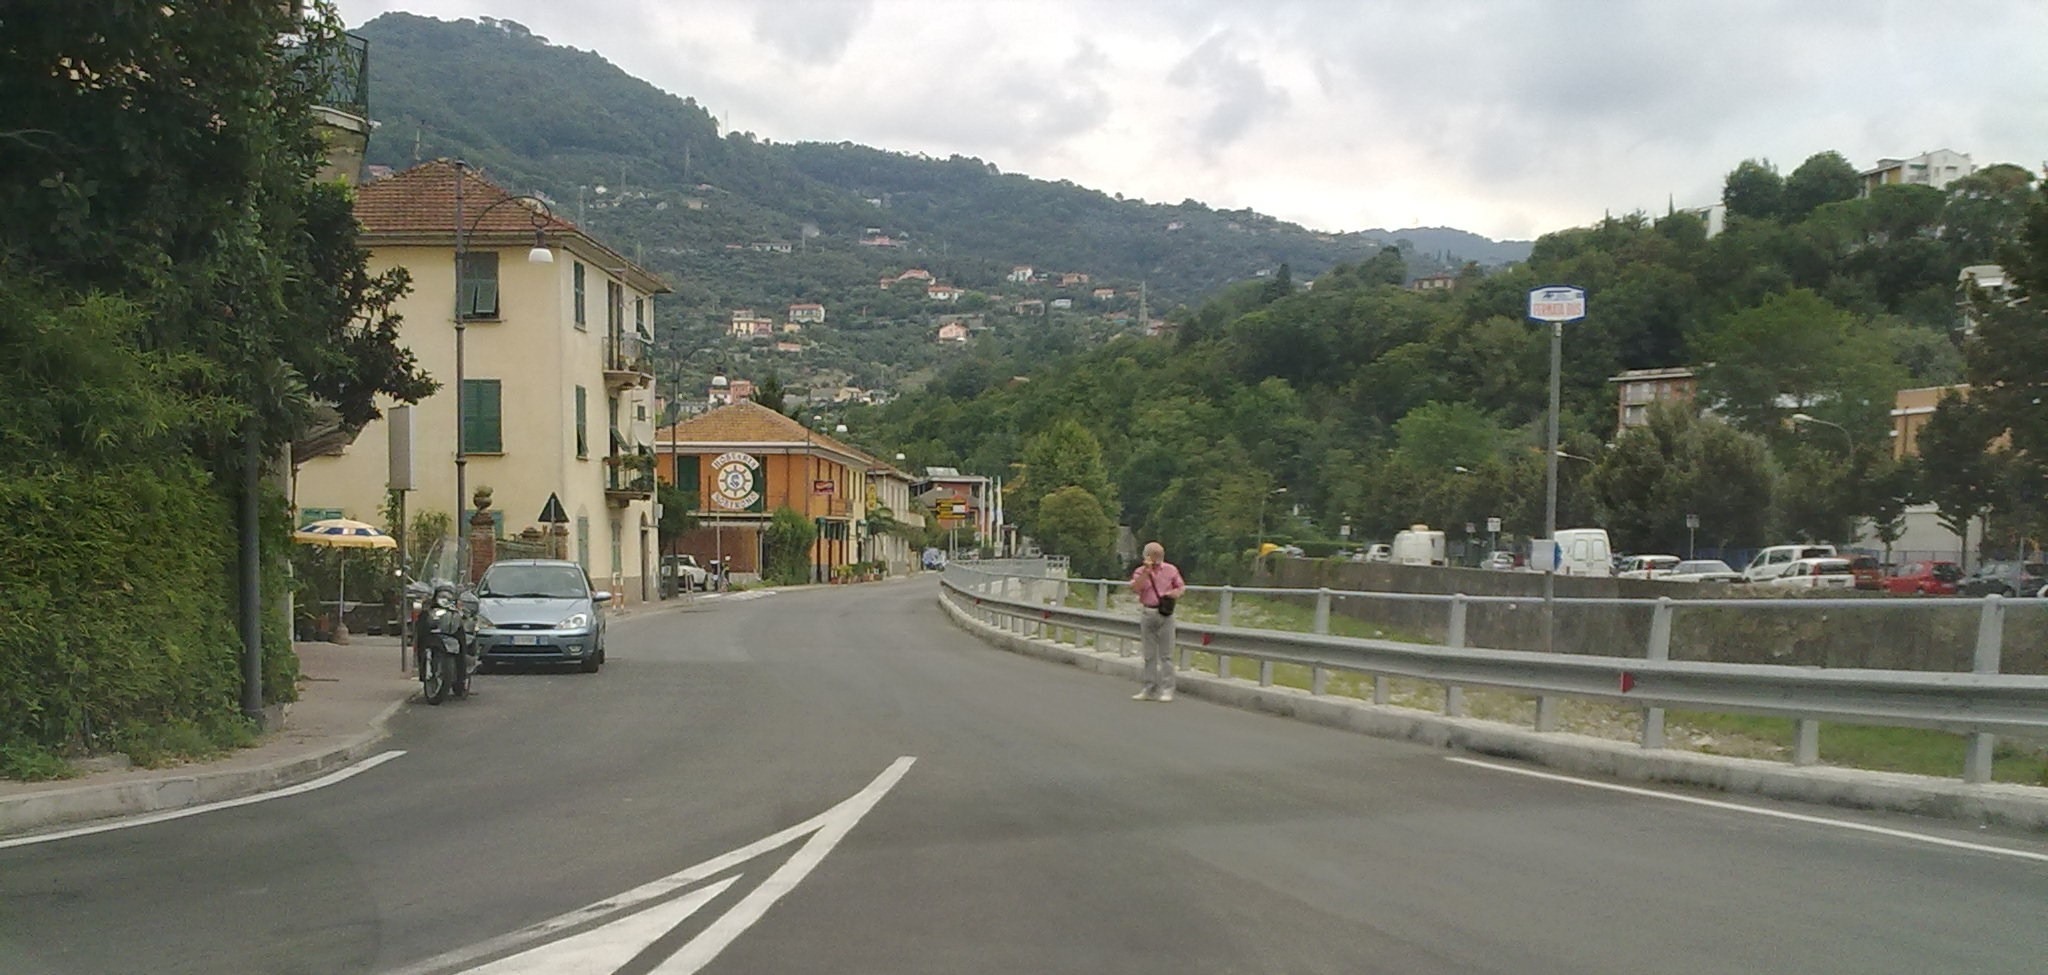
1157, 584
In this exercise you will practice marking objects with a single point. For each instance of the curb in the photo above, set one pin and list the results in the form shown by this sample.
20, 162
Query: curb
2024, 807
63, 807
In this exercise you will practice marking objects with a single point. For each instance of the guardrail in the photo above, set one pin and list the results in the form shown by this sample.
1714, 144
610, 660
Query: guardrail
1981, 704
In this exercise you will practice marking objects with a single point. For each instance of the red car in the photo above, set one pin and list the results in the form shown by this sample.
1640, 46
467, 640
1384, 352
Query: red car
1924, 579
1869, 572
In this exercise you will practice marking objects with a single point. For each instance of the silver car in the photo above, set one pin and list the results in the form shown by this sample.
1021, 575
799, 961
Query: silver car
540, 611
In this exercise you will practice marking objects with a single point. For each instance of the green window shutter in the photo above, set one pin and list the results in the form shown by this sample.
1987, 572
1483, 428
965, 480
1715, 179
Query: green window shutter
308, 516
482, 417
689, 476
582, 422
578, 276
583, 542
479, 295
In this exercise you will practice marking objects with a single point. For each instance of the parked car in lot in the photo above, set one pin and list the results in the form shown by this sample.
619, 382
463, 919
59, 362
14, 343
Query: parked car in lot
1924, 579
1381, 552
1647, 566
2005, 579
1774, 561
1868, 570
540, 611
1500, 562
1821, 573
1702, 570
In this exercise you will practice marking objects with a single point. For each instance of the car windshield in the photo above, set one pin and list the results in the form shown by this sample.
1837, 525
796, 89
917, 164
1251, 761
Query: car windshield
1703, 566
534, 582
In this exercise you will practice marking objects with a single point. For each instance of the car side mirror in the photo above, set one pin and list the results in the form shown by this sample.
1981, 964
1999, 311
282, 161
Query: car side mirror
600, 596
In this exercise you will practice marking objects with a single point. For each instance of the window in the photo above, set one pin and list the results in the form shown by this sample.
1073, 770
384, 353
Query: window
640, 318
482, 423
583, 542
614, 307
478, 297
618, 550
582, 423
578, 276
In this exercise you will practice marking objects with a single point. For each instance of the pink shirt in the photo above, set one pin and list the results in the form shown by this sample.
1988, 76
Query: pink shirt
1164, 580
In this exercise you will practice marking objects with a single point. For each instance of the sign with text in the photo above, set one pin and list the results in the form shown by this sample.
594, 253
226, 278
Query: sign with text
736, 482
821, 487
1493, 525
1557, 303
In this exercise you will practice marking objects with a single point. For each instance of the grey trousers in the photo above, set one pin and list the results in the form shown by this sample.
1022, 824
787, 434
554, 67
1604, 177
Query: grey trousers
1155, 634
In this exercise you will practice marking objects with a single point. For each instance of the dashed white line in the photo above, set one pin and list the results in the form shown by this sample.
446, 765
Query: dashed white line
1899, 834
170, 814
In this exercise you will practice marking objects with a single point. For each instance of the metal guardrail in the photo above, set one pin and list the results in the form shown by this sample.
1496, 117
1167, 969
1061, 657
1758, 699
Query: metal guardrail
1981, 704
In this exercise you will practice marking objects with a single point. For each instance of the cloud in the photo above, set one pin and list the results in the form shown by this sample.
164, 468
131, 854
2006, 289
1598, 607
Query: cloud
1235, 89
814, 31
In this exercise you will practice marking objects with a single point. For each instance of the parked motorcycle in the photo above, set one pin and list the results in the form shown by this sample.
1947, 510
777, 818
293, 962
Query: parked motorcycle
444, 641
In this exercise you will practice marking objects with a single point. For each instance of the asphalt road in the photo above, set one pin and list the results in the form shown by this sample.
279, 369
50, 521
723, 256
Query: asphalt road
1046, 824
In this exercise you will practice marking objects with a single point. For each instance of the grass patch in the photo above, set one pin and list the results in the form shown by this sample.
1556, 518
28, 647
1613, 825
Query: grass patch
33, 763
182, 740
1912, 750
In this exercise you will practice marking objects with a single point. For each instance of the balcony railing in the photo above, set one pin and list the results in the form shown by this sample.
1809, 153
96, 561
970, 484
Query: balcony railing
340, 74
623, 483
628, 361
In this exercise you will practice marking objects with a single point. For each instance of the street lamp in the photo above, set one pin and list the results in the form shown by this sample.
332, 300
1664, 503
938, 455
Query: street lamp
541, 215
1262, 513
1847, 440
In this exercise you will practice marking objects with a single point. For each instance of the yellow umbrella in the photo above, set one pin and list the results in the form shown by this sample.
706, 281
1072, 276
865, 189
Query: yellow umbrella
343, 533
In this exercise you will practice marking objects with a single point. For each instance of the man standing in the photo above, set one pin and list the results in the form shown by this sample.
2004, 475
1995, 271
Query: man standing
1158, 585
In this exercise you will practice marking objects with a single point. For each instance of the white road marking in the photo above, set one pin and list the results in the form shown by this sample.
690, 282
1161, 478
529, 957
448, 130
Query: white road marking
660, 887
1900, 834
722, 932
602, 950
169, 814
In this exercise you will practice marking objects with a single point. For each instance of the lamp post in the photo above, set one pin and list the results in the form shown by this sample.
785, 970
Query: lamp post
542, 215
1848, 440
1262, 514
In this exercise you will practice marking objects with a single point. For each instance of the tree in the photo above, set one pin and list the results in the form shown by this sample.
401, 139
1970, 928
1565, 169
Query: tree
1447, 435
1824, 177
1677, 465
1797, 353
771, 393
788, 544
1754, 190
678, 514
1957, 469
1064, 455
1072, 522
1892, 489
1385, 266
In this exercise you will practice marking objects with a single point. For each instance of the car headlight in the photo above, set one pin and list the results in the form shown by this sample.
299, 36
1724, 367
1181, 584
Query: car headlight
576, 622
484, 620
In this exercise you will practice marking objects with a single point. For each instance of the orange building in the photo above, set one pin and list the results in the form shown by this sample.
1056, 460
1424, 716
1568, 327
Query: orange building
746, 462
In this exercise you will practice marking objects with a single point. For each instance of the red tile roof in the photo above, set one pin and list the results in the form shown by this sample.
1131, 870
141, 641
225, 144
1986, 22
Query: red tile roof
750, 422
421, 200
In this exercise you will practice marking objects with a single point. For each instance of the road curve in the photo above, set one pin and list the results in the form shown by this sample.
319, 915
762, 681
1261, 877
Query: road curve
861, 787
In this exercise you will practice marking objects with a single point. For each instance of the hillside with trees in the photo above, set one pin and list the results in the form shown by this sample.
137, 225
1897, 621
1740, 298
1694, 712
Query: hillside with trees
737, 222
1366, 404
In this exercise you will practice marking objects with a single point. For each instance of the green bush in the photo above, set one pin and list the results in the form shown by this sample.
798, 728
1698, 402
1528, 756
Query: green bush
790, 535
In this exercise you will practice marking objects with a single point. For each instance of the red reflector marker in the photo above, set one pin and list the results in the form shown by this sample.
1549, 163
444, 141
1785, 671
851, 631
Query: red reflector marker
1628, 682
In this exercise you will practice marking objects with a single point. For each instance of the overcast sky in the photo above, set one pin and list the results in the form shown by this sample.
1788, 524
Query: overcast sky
1509, 118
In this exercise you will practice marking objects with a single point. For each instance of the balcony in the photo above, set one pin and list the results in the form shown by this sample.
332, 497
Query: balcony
628, 478
339, 74
628, 362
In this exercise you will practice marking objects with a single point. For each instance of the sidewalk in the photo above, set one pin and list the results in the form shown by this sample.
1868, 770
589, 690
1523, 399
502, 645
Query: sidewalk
346, 693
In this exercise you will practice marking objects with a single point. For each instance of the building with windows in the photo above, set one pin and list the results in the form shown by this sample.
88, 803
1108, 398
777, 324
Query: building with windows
557, 387
746, 461
1642, 388
890, 502
961, 504
1937, 169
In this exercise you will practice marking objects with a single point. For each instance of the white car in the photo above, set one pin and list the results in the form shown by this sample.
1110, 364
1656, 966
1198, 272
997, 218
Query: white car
1773, 561
1499, 562
692, 576
1648, 566
1821, 573
1702, 570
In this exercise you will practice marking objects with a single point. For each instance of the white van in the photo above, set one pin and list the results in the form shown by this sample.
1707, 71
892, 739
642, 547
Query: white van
1418, 546
1772, 562
1584, 552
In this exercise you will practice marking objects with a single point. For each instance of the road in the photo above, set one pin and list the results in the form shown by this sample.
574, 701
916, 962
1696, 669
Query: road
947, 808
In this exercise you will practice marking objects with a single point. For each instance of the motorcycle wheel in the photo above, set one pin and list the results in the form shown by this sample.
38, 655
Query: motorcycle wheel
434, 678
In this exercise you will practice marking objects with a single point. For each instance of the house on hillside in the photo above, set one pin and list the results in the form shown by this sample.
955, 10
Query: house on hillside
772, 246
792, 328
1936, 169
880, 240
1639, 389
807, 312
942, 292
1063, 303
1021, 274
953, 332
1072, 278
789, 347
1029, 306
1103, 294
726, 392
1434, 282
916, 274
556, 390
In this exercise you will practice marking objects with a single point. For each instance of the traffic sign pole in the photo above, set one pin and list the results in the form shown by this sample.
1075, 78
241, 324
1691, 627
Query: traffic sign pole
1557, 305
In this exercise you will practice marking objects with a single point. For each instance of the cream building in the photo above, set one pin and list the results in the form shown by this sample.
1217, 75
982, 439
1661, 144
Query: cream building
557, 381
